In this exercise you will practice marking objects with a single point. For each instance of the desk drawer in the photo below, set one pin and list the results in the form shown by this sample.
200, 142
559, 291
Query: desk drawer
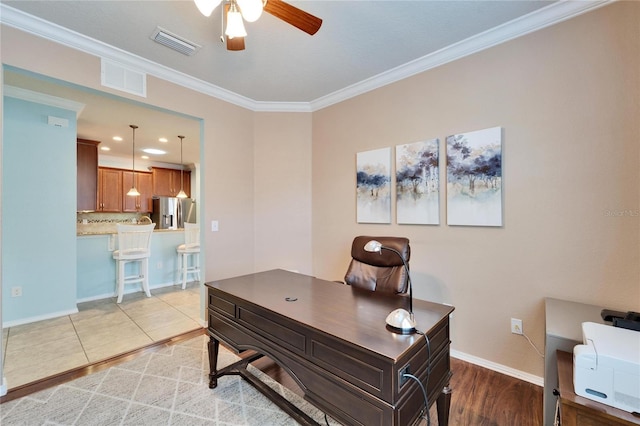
361, 368
273, 328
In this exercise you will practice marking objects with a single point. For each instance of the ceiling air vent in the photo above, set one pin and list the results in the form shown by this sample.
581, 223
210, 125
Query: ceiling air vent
174, 42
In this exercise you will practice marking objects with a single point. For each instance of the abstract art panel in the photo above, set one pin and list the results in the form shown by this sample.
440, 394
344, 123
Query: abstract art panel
373, 186
418, 183
474, 178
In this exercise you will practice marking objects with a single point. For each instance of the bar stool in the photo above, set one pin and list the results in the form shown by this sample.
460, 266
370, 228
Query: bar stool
190, 248
134, 245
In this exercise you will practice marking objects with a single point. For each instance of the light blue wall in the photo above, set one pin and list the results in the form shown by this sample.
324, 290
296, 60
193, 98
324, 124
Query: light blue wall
97, 271
38, 211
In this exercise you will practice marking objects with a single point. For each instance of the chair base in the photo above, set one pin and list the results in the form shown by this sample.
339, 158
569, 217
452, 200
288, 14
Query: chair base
142, 277
185, 269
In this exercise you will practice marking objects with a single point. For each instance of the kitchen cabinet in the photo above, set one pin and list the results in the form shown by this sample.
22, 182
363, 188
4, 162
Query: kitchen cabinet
166, 182
87, 174
144, 185
109, 190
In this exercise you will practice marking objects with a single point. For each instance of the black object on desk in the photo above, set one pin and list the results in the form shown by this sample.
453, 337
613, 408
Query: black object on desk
629, 320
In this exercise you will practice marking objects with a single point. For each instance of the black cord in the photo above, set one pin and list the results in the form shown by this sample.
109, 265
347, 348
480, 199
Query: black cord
426, 384
326, 420
424, 393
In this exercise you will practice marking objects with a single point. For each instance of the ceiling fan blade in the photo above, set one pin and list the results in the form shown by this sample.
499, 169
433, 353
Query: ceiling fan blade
236, 43
297, 17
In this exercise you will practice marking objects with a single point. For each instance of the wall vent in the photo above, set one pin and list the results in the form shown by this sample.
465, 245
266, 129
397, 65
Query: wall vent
172, 41
121, 77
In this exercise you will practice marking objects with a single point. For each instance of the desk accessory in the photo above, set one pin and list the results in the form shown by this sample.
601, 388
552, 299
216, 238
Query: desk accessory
399, 320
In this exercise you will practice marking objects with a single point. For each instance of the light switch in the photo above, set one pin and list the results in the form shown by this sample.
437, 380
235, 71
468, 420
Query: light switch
214, 226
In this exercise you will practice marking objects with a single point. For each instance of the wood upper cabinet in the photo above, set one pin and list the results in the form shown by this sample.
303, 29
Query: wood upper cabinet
109, 190
87, 177
144, 185
166, 182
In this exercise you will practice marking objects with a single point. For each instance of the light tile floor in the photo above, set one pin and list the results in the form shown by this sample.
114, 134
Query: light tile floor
101, 329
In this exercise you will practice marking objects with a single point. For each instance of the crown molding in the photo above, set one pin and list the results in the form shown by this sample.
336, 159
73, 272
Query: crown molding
58, 34
552, 14
534, 21
41, 98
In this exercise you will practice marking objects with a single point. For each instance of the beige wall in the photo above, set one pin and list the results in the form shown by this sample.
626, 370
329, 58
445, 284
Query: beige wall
281, 185
567, 99
282, 194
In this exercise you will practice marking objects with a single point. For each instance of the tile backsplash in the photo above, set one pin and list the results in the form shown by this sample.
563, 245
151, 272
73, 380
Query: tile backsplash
104, 223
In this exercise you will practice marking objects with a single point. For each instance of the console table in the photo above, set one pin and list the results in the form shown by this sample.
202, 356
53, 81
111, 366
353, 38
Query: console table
563, 322
331, 338
578, 411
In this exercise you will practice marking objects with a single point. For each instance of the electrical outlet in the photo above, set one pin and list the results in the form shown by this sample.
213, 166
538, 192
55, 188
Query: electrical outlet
516, 326
401, 375
16, 291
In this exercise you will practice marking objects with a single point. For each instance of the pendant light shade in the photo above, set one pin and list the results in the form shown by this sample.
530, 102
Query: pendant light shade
206, 6
251, 9
235, 26
181, 194
133, 192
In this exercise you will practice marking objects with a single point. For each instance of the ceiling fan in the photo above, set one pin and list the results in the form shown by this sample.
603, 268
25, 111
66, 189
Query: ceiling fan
250, 10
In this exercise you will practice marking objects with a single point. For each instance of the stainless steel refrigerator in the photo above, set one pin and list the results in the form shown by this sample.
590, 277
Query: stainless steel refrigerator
172, 213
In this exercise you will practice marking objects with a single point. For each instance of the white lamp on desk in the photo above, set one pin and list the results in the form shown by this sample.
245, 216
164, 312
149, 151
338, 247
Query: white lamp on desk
399, 320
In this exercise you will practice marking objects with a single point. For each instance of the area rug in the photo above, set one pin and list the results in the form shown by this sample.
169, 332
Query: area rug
166, 387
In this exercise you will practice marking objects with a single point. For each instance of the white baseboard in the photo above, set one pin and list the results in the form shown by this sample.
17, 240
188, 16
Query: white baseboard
28, 320
527, 377
129, 291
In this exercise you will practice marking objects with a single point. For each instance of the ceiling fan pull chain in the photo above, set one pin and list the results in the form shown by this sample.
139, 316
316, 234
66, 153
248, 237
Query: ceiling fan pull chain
222, 24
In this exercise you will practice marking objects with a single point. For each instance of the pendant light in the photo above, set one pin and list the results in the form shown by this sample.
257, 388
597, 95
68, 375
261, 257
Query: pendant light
181, 194
235, 27
250, 9
133, 192
206, 6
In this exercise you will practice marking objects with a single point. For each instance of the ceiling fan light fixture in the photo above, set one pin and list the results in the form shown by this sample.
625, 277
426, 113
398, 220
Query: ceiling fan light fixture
206, 7
235, 27
251, 9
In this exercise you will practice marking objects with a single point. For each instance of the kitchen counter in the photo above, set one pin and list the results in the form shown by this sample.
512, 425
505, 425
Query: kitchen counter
113, 232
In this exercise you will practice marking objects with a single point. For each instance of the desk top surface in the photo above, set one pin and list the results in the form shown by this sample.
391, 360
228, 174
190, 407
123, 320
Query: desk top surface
354, 315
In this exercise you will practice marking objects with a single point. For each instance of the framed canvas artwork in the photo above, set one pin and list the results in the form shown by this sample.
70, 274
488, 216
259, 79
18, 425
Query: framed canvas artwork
474, 178
373, 186
418, 183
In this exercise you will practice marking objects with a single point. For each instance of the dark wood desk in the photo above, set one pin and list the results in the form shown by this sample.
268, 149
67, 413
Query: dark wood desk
332, 340
578, 411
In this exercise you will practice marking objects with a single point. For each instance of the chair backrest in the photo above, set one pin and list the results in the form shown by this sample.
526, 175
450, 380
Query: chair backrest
191, 235
383, 271
134, 240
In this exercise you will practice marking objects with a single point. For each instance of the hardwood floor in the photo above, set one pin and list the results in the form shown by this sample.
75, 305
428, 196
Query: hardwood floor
483, 397
480, 397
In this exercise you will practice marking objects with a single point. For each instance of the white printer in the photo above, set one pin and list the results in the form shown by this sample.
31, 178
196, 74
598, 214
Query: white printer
606, 368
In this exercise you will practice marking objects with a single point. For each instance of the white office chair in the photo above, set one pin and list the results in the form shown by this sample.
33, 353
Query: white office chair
190, 248
134, 245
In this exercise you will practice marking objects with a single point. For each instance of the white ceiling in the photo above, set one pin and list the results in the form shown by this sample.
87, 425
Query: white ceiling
361, 45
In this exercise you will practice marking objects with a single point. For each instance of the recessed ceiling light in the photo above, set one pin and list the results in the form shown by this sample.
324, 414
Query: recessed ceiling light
117, 138
105, 148
154, 151
165, 140
145, 157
